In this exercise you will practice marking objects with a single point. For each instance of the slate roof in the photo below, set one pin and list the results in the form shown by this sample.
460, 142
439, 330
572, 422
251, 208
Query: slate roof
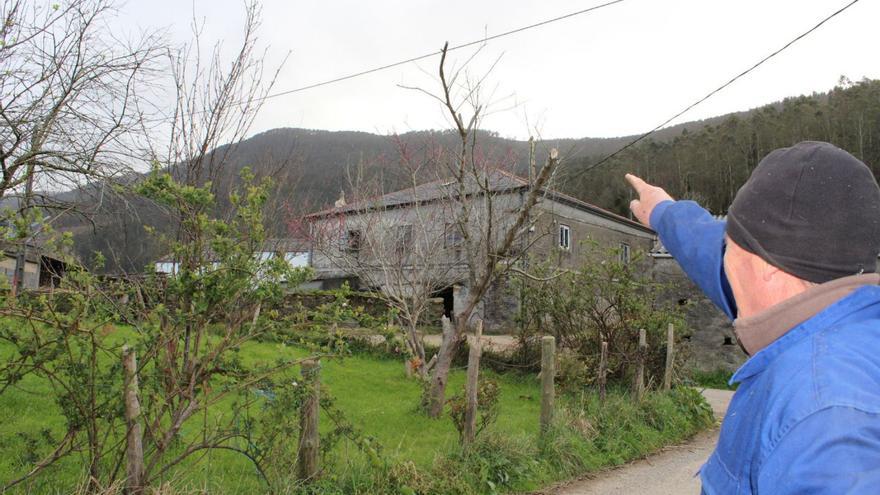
271, 245
499, 182
35, 250
286, 245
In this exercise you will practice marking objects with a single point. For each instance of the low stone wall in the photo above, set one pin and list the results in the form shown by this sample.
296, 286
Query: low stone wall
713, 343
500, 308
371, 304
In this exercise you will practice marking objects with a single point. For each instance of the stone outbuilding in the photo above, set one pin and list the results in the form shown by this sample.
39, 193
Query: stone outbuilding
712, 338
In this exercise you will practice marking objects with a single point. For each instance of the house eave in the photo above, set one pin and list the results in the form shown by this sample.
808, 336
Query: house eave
584, 206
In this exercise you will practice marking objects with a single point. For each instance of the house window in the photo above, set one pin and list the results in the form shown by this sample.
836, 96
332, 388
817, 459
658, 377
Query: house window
452, 240
624, 252
353, 239
452, 236
565, 237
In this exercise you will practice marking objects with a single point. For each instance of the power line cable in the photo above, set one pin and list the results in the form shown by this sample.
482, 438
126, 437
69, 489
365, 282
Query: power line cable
432, 54
713, 92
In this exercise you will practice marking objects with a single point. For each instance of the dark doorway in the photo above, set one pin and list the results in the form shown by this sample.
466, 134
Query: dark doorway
51, 272
448, 301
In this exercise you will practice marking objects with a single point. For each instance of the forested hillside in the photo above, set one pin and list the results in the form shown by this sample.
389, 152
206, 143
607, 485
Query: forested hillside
710, 164
705, 160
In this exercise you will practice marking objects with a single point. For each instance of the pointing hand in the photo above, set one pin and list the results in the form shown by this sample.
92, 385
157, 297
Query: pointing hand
649, 197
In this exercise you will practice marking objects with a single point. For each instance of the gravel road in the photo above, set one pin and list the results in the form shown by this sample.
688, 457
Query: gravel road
670, 472
499, 343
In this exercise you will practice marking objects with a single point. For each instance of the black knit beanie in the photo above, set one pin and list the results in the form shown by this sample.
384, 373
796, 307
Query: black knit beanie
812, 210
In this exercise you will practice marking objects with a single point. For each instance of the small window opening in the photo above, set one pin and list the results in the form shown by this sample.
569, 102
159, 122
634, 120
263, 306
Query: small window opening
353, 240
565, 237
624, 252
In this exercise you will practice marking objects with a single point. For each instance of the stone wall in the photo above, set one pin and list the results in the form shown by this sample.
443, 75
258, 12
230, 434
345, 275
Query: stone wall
585, 229
713, 344
373, 306
501, 308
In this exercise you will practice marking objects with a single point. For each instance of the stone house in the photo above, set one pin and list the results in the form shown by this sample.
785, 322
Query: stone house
349, 238
43, 268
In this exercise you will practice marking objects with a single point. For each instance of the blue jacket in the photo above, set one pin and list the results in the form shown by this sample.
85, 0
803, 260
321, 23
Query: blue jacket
806, 416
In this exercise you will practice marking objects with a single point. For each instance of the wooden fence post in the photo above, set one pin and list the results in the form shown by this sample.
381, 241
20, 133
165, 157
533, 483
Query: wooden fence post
134, 449
472, 387
603, 371
670, 356
640, 365
307, 453
548, 373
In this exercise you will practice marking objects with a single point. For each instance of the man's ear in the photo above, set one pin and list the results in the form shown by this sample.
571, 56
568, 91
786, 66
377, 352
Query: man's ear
768, 271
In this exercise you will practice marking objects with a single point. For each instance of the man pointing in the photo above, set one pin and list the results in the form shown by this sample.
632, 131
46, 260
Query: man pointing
794, 266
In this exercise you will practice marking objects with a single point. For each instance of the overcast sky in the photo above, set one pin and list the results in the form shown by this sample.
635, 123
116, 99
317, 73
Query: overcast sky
617, 71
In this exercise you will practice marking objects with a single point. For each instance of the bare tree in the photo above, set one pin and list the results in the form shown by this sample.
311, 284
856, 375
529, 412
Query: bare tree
401, 244
469, 226
67, 92
216, 103
69, 106
493, 225
214, 107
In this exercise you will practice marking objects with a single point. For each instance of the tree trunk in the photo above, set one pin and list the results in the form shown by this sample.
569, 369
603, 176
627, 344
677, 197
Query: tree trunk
448, 346
257, 313
418, 350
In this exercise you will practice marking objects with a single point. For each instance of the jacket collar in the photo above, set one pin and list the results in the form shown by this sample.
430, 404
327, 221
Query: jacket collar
857, 301
757, 332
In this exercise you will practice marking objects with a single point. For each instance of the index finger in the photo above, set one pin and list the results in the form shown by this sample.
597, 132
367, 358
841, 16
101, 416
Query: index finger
637, 183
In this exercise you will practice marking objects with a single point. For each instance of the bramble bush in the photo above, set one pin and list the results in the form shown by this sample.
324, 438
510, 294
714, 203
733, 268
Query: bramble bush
487, 408
605, 299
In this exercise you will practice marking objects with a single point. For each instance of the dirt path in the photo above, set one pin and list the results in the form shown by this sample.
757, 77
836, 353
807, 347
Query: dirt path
670, 472
499, 343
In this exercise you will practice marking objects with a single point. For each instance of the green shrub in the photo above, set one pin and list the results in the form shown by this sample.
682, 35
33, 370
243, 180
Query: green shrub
487, 410
492, 464
605, 300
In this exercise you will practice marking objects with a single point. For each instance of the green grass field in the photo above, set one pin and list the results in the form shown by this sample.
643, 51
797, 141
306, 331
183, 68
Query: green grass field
377, 398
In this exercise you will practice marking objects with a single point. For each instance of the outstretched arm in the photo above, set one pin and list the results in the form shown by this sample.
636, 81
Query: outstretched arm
691, 235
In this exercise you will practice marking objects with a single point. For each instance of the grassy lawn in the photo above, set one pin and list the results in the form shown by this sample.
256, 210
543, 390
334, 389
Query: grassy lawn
376, 395
377, 398
713, 379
